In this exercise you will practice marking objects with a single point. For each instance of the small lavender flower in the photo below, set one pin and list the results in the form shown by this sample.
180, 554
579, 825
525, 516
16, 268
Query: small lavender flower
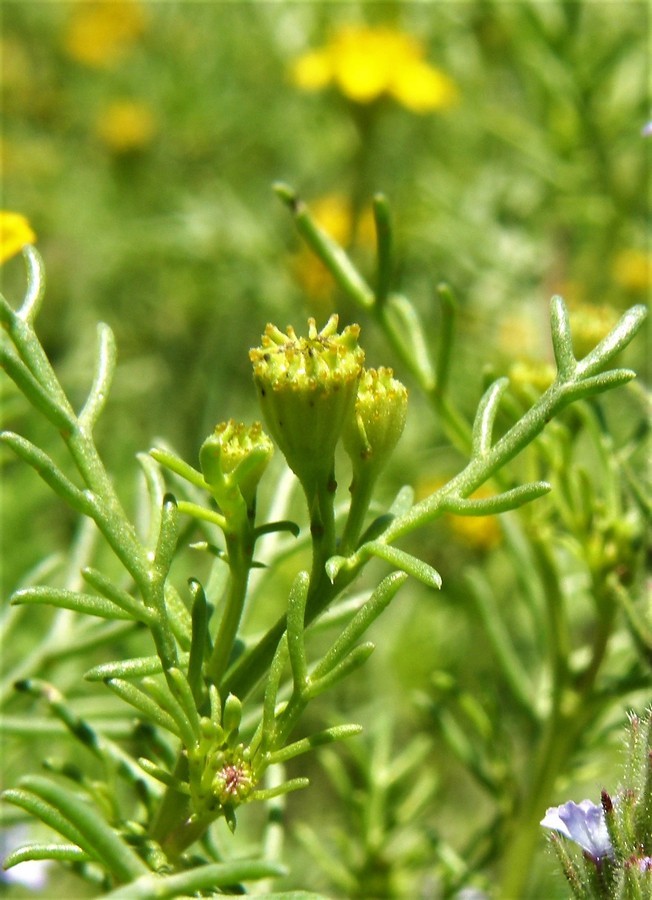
644, 864
583, 823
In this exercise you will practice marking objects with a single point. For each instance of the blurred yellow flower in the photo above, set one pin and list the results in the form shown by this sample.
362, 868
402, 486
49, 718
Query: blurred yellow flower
126, 125
476, 532
525, 374
98, 33
365, 63
632, 269
590, 322
15, 233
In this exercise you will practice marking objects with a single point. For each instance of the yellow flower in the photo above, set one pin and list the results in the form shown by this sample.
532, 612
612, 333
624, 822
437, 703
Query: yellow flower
590, 322
15, 233
632, 269
365, 63
526, 374
126, 125
477, 532
98, 33
481, 533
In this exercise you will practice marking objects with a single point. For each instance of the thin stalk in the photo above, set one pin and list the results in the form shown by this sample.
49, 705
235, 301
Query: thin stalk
361, 491
240, 554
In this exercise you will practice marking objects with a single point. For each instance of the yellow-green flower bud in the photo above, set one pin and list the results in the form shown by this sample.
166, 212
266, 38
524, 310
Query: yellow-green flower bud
233, 460
232, 715
372, 431
307, 388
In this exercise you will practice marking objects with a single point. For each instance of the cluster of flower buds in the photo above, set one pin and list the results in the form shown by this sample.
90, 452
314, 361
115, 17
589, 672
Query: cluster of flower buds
221, 774
314, 391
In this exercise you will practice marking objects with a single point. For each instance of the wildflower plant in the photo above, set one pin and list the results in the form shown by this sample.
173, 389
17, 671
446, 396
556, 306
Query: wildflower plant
615, 836
218, 709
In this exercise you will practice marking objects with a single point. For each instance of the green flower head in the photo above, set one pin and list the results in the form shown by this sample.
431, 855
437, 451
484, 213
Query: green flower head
377, 421
233, 460
307, 388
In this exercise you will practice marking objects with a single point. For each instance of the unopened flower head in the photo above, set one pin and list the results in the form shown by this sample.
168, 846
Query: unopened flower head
366, 63
233, 781
307, 387
378, 420
235, 457
583, 823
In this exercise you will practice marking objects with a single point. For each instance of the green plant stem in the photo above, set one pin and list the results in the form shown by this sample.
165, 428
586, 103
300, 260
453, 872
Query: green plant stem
361, 491
322, 530
240, 553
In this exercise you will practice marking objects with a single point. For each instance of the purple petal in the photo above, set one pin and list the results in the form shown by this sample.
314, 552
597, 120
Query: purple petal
583, 823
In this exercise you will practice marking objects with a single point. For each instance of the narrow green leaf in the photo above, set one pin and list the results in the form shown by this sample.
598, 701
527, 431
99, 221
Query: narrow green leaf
404, 561
294, 784
334, 566
61, 852
405, 322
177, 465
597, 384
271, 692
617, 339
49, 472
156, 489
106, 843
283, 525
169, 703
383, 222
379, 600
562, 342
499, 503
35, 284
199, 645
64, 599
357, 657
144, 704
118, 596
137, 667
328, 736
180, 620
37, 395
202, 513
163, 776
178, 683
201, 878
295, 628
329, 252
49, 814
486, 416
105, 367
168, 536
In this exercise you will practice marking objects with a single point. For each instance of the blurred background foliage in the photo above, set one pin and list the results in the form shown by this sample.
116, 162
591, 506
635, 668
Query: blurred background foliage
141, 140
